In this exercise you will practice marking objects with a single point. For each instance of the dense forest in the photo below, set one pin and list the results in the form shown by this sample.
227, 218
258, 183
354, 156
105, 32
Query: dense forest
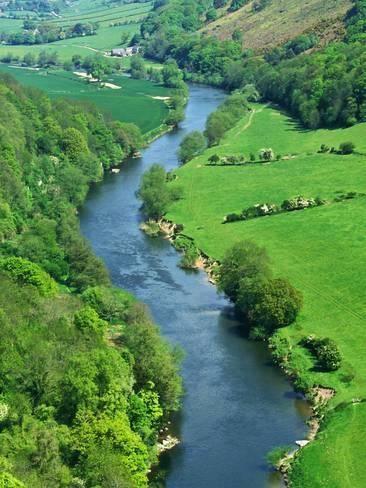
86, 380
324, 88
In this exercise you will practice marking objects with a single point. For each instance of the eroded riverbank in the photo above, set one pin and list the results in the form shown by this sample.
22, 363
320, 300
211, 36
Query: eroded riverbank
237, 406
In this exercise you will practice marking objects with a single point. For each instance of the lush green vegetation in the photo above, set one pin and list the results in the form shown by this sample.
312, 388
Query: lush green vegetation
100, 28
86, 380
333, 459
309, 247
134, 102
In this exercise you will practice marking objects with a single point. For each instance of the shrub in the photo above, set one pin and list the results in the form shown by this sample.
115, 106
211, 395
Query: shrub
26, 272
266, 154
214, 159
347, 147
87, 320
110, 303
277, 454
326, 352
328, 355
233, 217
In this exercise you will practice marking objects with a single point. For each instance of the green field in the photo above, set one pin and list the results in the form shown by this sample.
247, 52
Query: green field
107, 37
339, 446
132, 103
321, 250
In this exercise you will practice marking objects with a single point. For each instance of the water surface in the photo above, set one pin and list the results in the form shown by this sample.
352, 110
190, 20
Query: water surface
237, 406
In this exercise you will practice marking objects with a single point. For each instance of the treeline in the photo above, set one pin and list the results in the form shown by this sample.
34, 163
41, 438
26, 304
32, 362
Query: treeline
325, 88
44, 32
86, 380
218, 123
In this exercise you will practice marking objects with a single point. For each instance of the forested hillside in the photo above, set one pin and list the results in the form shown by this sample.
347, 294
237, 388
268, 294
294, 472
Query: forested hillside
325, 88
86, 380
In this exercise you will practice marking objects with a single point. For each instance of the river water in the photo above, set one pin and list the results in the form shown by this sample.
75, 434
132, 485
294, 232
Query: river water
237, 406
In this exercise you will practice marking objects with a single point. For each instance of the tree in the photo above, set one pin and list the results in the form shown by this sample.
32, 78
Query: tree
266, 154
270, 304
29, 59
172, 76
192, 145
244, 260
138, 70
237, 36
216, 126
347, 147
154, 192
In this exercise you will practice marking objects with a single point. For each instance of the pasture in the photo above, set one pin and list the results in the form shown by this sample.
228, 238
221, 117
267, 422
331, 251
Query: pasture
321, 250
134, 102
107, 37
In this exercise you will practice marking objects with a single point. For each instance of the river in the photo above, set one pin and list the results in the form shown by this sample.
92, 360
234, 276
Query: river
237, 406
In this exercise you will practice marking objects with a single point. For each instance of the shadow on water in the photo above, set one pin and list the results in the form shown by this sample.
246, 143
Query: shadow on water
235, 408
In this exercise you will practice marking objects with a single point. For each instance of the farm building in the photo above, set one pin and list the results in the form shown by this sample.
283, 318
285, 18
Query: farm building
124, 52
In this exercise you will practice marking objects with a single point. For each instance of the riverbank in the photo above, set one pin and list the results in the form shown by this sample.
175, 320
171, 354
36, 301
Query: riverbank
235, 408
310, 247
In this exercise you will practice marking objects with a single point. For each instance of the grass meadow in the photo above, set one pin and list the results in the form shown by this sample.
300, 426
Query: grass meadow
321, 250
107, 37
134, 102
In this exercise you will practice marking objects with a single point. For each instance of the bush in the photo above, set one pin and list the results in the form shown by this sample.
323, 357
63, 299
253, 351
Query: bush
111, 304
28, 273
347, 147
329, 357
326, 352
277, 454
266, 154
87, 320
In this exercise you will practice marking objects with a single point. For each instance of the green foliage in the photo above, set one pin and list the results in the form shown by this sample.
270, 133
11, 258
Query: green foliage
270, 304
225, 117
326, 352
277, 454
66, 393
155, 192
244, 260
27, 273
111, 304
192, 145
88, 321
347, 147
137, 68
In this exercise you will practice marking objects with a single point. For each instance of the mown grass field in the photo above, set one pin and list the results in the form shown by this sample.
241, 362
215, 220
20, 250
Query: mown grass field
321, 250
282, 20
132, 103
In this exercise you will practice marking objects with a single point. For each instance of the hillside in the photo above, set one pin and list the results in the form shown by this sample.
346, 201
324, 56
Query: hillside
281, 21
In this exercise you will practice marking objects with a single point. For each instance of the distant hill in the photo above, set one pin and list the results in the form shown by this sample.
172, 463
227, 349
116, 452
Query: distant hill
281, 21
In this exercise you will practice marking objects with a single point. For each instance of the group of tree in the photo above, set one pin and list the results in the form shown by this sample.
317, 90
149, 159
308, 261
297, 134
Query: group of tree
46, 32
324, 88
74, 411
266, 303
155, 193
